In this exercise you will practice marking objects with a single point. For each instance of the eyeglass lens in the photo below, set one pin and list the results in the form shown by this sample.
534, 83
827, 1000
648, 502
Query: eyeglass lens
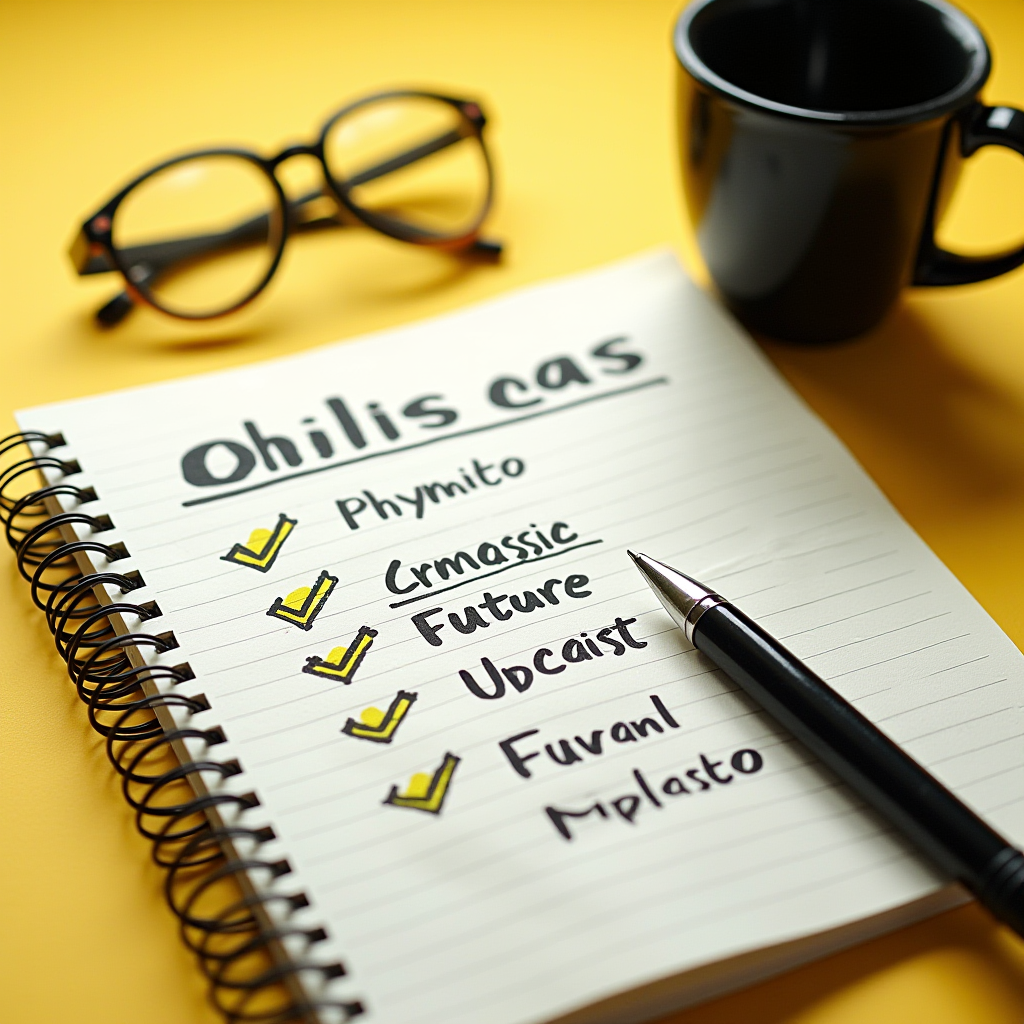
410, 161
201, 236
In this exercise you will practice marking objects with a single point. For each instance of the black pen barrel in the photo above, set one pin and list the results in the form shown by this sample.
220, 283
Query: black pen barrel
943, 828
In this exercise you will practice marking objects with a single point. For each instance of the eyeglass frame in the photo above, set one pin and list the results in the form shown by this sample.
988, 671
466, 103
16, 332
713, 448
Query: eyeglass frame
93, 250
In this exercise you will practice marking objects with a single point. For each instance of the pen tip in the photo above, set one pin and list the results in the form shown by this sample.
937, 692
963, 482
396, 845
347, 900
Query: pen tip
642, 562
676, 591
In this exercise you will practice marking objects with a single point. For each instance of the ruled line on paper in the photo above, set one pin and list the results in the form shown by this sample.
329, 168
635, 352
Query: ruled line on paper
1008, 770
855, 615
812, 504
862, 561
962, 664
899, 657
807, 552
874, 693
1015, 799
837, 593
960, 722
876, 636
990, 745
939, 700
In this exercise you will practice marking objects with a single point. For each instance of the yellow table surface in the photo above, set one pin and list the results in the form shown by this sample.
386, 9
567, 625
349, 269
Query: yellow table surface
581, 98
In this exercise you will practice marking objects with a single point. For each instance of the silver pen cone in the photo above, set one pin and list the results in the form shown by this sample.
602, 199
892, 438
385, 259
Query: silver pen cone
684, 598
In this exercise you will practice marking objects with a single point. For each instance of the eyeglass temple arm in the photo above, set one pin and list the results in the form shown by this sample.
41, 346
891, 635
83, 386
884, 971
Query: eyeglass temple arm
410, 156
147, 262
483, 248
159, 256
487, 249
153, 259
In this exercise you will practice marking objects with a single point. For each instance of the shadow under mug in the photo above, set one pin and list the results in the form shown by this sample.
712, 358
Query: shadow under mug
820, 142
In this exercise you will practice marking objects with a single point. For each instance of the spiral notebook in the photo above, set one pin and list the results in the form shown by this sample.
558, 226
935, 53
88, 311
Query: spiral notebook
375, 599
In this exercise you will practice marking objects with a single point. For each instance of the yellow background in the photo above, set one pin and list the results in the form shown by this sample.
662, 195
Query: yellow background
580, 95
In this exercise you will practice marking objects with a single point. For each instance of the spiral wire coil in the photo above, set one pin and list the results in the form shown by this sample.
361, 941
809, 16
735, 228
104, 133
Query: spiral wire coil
250, 953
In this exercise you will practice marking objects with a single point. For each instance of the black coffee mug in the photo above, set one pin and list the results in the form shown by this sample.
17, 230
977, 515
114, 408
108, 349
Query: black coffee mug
820, 142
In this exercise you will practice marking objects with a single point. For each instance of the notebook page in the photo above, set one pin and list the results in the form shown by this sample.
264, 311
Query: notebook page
507, 784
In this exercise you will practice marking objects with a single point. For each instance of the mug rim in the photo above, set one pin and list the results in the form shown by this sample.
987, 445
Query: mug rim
969, 34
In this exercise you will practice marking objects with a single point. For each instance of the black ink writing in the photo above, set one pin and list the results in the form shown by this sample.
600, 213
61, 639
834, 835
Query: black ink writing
430, 624
614, 640
595, 746
423, 496
628, 808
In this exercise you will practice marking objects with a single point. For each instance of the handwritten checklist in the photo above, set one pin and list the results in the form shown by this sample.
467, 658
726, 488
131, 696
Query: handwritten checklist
508, 784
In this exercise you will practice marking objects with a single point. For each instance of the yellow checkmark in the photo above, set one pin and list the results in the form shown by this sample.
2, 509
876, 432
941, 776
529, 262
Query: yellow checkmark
426, 792
379, 726
303, 605
261, 550
342, 662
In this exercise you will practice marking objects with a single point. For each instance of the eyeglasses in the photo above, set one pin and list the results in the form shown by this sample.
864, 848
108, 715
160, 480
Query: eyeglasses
201, 234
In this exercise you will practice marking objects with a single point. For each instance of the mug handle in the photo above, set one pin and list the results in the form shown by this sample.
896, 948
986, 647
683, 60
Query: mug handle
979, 126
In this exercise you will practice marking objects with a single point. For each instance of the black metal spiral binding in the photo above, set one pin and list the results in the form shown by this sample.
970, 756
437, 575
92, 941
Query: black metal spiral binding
239, 946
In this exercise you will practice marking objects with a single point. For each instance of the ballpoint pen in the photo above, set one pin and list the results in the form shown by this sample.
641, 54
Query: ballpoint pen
937, 823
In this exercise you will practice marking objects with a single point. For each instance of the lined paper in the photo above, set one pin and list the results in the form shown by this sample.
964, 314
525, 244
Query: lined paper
679, 440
